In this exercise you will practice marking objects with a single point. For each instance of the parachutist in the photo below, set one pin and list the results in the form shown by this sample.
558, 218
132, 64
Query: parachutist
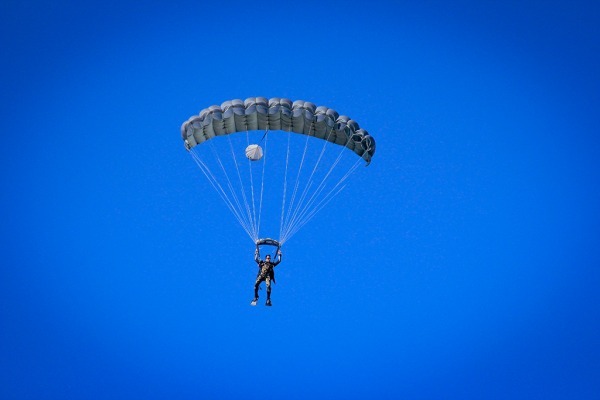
265, 274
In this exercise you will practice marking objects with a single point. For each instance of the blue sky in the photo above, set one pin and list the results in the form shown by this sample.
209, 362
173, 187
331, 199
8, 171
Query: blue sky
465, 267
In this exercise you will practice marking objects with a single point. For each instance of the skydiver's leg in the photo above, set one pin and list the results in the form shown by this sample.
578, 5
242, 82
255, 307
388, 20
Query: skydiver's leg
259, 279
268, 282
256, 290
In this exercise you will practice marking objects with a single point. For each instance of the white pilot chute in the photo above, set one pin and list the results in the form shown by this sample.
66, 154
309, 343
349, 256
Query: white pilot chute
254, 152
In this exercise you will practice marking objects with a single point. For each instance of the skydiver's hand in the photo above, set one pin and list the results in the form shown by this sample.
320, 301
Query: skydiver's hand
279, 252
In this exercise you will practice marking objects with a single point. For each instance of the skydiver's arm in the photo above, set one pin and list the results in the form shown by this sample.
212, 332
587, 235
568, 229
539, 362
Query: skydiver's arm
257, 257
278, 258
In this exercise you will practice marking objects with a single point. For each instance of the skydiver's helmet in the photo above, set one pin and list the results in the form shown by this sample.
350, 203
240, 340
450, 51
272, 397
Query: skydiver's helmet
254, 152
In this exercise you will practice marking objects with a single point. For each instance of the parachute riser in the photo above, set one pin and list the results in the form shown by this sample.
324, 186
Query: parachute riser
268, 242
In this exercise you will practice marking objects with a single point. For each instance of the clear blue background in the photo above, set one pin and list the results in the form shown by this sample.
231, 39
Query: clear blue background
467, 267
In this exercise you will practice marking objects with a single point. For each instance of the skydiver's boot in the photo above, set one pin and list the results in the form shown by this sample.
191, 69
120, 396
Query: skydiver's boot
268, 303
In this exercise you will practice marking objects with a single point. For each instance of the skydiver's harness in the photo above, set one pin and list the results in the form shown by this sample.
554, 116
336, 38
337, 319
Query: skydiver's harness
266, 269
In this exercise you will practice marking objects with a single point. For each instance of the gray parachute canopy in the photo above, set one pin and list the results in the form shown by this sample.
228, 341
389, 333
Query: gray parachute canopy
258, 113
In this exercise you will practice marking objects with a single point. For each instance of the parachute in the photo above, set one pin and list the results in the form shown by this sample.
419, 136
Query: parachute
304, 191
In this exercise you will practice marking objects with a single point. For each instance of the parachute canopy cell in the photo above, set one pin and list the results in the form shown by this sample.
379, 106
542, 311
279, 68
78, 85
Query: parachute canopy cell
258, 113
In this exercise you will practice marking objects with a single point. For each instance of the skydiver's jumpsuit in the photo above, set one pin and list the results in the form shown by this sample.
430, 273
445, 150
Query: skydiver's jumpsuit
265, 273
